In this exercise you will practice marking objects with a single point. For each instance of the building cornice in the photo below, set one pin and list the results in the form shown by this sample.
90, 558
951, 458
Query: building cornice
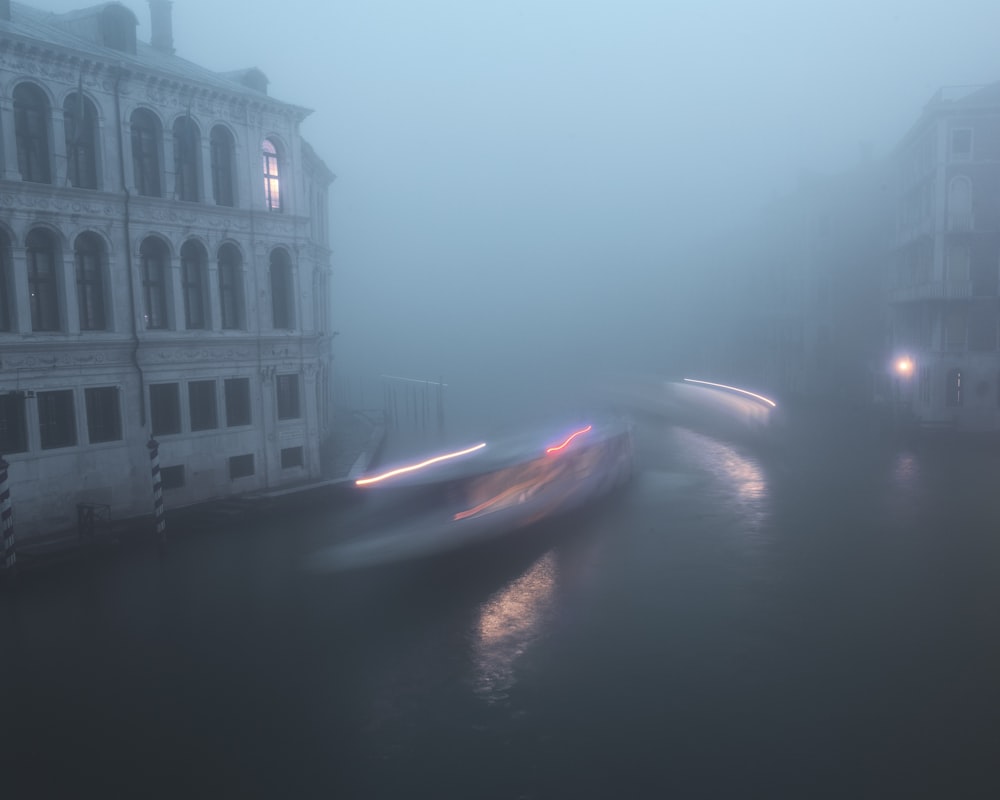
948, 102
21, 196
54, 61
34, 353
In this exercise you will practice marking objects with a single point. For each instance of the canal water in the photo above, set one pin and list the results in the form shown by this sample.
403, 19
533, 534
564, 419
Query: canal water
820, 620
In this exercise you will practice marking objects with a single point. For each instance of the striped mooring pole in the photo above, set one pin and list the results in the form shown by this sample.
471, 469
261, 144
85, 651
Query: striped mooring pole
8, 557
160, 522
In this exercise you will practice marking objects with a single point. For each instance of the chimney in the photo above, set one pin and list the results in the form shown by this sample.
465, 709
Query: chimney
5, 9
161, 26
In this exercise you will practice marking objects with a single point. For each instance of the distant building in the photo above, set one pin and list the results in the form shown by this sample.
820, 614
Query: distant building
807, 291
943, 264
164, 271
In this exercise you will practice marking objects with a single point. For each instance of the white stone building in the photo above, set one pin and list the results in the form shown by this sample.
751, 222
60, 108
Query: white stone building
944, 289
164, 272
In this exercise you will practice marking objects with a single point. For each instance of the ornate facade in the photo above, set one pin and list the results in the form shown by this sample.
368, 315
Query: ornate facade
164, 272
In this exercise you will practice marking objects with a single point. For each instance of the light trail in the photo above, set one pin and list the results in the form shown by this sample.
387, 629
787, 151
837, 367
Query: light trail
735, 389
557, 447
414, 467
412, 380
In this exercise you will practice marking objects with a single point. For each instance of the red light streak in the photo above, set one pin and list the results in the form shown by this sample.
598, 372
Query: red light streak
557, 447
413, 467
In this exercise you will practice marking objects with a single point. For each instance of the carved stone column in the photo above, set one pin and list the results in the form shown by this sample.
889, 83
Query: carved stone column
21, 323
214, 311
311, 418
8, 139
68, 291
60, 163
175, 296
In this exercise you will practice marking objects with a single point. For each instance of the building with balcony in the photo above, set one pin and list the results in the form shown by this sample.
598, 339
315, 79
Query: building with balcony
164, 271
943, 263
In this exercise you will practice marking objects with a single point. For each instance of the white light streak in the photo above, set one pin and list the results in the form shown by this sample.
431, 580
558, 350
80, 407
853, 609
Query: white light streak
413, 467
412, 380
734, 389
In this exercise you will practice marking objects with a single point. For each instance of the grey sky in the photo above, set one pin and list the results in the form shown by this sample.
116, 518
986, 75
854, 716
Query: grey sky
503, 165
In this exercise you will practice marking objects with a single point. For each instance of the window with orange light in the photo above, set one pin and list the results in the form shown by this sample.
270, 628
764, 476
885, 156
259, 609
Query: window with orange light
272, 182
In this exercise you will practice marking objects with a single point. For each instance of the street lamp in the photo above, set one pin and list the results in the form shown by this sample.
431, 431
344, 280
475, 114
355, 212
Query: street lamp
903, 368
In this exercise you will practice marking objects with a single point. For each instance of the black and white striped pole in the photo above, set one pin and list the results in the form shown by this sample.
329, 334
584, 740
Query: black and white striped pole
8, 556
159, 520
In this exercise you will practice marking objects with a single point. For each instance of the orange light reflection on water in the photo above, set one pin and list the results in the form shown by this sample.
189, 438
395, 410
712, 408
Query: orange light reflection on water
509, 622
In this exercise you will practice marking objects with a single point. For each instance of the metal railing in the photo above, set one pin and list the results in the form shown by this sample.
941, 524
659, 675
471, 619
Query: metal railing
932, 290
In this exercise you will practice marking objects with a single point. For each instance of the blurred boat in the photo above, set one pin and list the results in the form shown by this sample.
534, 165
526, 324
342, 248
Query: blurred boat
488, 490
719, 410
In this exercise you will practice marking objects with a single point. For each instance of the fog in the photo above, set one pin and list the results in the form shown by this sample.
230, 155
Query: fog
534, 193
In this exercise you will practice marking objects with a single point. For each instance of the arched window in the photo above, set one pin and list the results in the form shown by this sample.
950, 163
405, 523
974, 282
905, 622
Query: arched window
223, 153
81, 141
272, 183
958, 262
282, 296
960, 204
956, 326
5, 283
43, 289
231, 287
146, 153
154, 258
983, 274
186, 145
31, 131
193, 264
89, 256
321, 211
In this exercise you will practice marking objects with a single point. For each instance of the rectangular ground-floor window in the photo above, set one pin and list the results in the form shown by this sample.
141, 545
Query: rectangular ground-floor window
104, 421
172, 477
288, 397
953, 388
291, 457
165, 408
13, 423
240, 466
201, 401
56, 419
237, 402
924, 385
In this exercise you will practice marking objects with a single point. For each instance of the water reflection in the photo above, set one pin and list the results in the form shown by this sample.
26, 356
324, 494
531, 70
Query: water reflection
906, 471
508, 623
904, 487
738, 475
747, 478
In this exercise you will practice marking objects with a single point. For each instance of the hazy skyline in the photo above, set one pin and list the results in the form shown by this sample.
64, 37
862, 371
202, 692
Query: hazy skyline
504, 168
